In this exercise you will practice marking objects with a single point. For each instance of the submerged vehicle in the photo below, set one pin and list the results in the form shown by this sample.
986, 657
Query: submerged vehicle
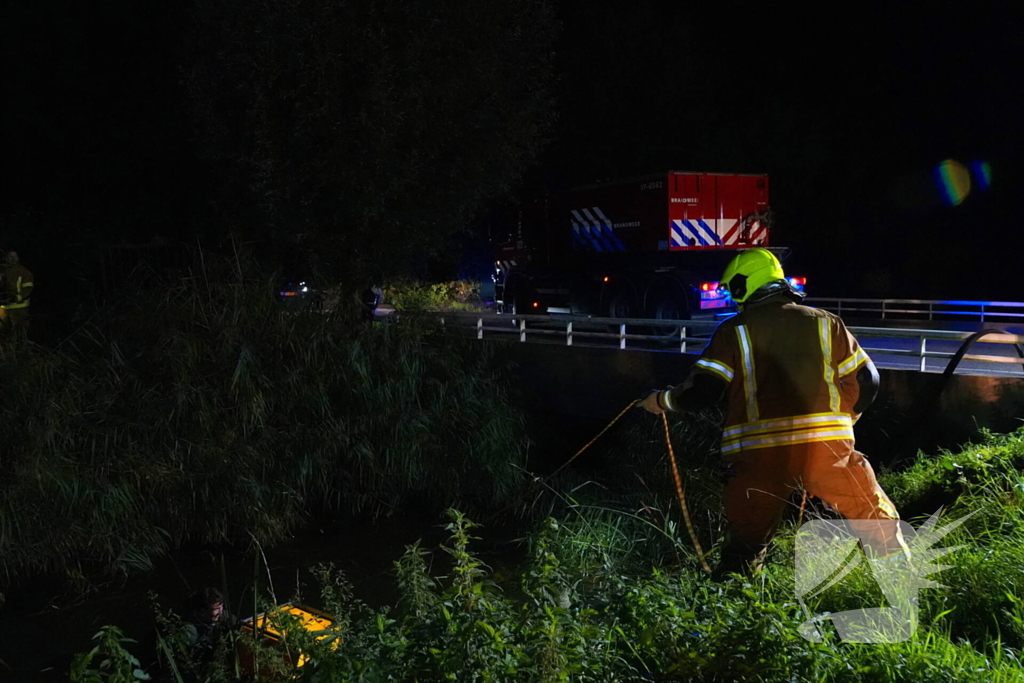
273, 629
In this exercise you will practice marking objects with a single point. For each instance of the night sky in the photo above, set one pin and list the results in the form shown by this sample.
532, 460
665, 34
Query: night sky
849, 108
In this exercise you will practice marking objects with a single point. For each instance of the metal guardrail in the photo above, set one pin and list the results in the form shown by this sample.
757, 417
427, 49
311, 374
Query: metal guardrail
690, 336
921, 309
578, 327
922, 337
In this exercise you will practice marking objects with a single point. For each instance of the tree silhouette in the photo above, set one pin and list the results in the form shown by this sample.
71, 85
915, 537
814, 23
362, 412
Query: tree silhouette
376, 129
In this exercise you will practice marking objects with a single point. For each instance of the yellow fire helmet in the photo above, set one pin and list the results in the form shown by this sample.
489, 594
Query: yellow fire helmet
749, 271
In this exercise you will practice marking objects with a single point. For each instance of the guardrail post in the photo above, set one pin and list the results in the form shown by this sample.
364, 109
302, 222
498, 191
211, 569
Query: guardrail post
983, 313
931, 310
522, 330
479, 328
921, 351
568, 333
682, 340
883, 309
622, 335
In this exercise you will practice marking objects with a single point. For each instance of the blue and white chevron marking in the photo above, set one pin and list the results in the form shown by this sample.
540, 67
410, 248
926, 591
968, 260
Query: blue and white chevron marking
599, 231
592, 228
688, 233
582, 227
591, 232
578, 241
606, 227
582, 239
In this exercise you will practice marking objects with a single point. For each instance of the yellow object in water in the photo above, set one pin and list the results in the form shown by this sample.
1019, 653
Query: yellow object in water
271, 627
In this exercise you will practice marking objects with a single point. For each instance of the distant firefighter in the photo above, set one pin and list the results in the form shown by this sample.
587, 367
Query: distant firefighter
370, 299
795, 380
15, 292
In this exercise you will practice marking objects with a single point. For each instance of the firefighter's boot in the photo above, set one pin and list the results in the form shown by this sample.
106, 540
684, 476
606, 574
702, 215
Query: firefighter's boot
739, 557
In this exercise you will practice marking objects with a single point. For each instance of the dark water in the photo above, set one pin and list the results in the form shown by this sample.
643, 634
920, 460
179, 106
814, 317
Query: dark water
46, 620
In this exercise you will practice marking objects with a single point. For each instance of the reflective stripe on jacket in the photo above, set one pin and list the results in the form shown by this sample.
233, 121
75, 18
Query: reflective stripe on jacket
19, 285
791, 375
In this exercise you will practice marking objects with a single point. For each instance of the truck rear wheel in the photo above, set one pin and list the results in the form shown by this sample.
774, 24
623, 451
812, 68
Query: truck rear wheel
515, 303
667, 302
621, 305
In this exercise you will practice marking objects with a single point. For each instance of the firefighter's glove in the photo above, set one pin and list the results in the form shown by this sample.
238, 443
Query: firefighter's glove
655, 402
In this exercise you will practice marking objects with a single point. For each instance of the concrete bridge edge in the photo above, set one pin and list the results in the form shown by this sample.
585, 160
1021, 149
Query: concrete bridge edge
598, 383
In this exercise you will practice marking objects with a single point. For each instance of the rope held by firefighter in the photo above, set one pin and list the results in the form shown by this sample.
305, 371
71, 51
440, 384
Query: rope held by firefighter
591, 442
803, 504
675, 474
682, 498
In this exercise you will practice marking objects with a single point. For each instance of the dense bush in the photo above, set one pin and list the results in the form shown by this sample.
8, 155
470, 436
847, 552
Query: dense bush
442, 296
204, 411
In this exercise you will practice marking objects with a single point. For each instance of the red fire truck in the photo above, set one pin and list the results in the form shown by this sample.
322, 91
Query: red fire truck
650, 247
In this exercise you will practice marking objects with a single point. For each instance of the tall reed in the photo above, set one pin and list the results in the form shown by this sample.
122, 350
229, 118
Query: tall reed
202, 410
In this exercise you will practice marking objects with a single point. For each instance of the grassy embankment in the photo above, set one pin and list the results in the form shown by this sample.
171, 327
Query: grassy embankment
612, 591
201, 411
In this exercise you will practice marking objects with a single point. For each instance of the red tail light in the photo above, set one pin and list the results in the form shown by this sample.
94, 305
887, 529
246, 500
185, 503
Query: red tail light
713, 297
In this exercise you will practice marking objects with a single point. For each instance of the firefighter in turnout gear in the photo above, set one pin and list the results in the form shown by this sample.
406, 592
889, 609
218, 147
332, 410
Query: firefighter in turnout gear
15, 292
795, 381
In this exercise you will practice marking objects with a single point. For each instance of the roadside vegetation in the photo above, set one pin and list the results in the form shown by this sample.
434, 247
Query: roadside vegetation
611, 590
203, 411
415, 296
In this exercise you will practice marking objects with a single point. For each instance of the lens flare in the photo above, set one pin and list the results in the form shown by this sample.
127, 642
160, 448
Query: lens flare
954, 181
981, 171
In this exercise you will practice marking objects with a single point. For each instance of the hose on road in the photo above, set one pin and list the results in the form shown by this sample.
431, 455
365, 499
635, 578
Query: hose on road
927, 405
